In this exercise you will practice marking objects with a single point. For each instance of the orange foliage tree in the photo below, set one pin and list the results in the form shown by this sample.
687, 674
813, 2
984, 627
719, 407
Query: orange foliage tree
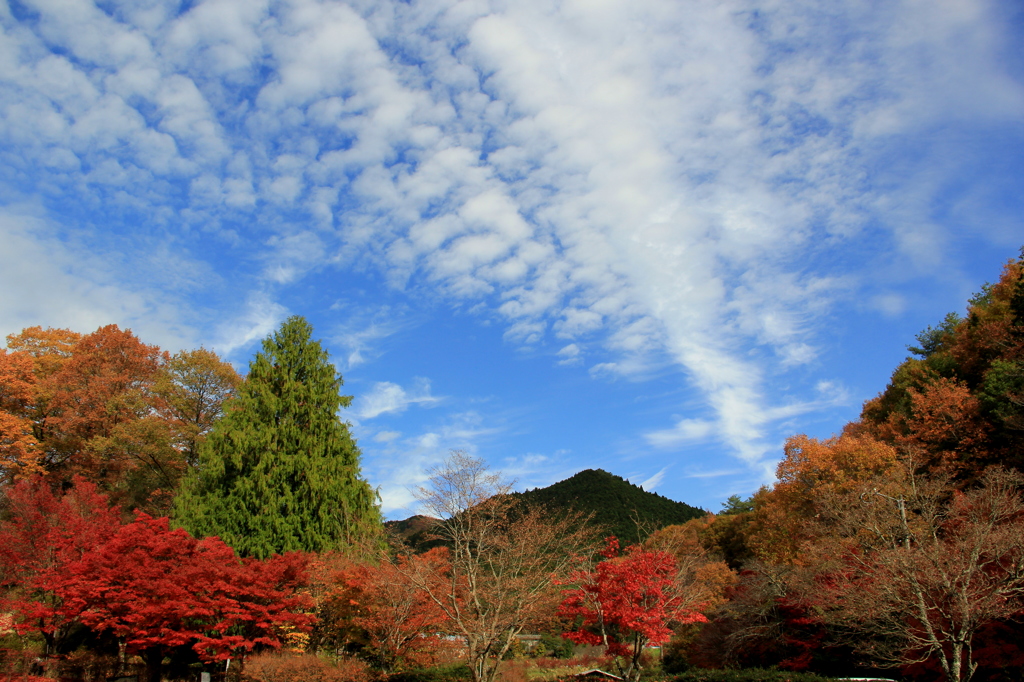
20, 453
810, 469
373, 610
49, 348
957, 405
102, 387
700, 571
108, 407
192, 388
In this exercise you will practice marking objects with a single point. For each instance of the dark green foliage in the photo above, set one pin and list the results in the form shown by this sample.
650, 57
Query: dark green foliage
983, 298
737, 505
748, 675
280, 472
619, 508
728, 536
554, 646
911, 374
673, 659
933, 338
446, 673
933, 361
1002, 393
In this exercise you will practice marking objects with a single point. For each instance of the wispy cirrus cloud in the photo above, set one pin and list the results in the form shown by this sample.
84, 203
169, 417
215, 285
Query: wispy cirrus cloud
403, 460
668, 182
651, 483
385, 397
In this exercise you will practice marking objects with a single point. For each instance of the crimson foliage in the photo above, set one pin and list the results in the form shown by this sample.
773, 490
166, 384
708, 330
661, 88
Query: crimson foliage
68, 560
629, 601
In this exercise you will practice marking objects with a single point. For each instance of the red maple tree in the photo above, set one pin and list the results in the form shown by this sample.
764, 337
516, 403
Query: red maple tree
43, 534
156, 588
627, 602
68, 560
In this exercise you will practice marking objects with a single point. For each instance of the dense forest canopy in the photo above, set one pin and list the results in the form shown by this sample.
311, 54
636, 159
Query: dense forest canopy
613, 504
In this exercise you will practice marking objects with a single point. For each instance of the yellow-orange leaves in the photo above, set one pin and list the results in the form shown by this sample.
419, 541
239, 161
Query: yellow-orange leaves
19, 450
812, 471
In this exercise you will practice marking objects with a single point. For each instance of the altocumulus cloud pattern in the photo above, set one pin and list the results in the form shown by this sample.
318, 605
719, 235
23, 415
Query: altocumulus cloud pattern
738, 194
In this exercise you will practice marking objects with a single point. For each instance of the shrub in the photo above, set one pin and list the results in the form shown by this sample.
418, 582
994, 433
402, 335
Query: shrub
291, 667
88, 666
514, 671
457, 672
555, 646
748, 675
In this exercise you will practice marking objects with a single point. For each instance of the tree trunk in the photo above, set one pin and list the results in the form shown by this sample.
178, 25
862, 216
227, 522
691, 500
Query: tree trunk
154, 658
122, 655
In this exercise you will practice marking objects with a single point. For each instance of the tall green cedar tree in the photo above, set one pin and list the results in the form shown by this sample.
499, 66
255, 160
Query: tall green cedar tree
280, 471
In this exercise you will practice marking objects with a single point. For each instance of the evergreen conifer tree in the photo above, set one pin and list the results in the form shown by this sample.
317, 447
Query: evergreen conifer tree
280, 472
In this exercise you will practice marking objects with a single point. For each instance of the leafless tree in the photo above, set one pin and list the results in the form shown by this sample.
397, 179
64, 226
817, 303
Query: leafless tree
505, 558
917, 567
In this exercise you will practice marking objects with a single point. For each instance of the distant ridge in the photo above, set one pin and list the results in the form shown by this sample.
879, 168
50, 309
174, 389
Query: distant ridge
616, 504
414, 531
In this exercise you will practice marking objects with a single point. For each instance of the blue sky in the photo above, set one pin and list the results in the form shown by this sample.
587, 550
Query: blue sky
651, 236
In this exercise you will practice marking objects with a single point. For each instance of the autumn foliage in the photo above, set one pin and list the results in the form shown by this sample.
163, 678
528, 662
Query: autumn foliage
67, 561
107, 407
628, 601
896, 543
369, 607
920, 573
43, 536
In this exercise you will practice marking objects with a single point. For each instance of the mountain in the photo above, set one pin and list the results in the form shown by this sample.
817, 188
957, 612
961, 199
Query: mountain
414, 531
620, 508
617, 506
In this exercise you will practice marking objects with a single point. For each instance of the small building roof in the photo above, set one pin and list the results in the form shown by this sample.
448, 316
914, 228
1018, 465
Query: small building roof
595, 673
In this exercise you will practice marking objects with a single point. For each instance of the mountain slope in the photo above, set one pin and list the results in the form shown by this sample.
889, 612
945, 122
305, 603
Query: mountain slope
617, 507
620, 508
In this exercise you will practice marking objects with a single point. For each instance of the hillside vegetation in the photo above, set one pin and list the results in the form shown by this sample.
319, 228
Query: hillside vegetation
614, 506
617, 507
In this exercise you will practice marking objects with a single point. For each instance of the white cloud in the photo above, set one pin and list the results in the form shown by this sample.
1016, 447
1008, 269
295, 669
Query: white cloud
652, 483
53, 282
658, 177
386, 436
260, 318
685, 431
716, 473
399, 465
570, 355
889, 304
362, 332
388, 398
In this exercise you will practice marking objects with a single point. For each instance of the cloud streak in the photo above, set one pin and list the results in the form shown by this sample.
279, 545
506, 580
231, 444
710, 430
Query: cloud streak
664, 181
390, 398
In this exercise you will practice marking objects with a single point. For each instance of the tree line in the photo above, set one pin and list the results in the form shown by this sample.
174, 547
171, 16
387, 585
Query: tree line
163, 509
900, 540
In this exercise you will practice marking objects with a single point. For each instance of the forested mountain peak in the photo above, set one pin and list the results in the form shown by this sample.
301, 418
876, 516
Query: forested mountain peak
621, 508
618, 508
